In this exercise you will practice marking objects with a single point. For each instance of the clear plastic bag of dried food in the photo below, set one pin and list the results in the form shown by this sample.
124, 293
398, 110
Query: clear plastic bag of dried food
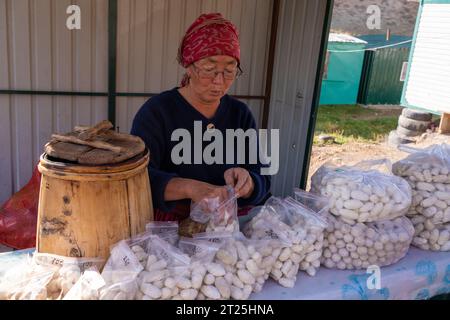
68, 271
167, 230
316, 203
240, 267
431, 164
216, 214
87, 287
268, 225
360, 245
202, 253
122, 265
427, 172
159, 280
430, 236
28, 281
361, 194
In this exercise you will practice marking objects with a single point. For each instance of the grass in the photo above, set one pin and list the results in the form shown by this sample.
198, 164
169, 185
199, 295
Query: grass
349, 123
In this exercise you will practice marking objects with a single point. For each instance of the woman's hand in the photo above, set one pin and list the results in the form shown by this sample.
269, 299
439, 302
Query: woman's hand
199, 190
241, 181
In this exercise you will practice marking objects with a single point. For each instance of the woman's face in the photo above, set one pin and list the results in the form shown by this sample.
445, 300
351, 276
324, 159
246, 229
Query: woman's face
212, 77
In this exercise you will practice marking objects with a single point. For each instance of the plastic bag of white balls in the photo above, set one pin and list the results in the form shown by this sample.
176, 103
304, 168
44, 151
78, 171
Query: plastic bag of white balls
268, 225
320, 205
360, 245
428, 173
69, 271
87, 287
27, 281
241, 266
120, 272
309, 228
359, 194
218, 214
430, 236
167, 230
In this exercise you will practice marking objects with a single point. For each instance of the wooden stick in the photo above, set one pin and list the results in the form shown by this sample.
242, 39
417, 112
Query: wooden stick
91, 132
95, 144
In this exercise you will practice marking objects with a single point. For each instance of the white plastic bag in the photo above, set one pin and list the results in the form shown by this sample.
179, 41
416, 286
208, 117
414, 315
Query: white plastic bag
361, 194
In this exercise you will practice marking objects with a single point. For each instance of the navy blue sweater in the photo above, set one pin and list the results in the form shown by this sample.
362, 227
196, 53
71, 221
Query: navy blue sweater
162, 114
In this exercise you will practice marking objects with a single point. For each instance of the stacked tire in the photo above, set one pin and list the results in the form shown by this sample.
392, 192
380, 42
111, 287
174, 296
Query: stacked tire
411, 123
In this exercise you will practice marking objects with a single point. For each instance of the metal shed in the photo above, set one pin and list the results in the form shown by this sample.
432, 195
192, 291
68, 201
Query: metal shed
427, 80
52, 78
344, 61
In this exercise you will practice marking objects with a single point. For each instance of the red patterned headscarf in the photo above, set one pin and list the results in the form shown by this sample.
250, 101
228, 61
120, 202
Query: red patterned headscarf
209, 35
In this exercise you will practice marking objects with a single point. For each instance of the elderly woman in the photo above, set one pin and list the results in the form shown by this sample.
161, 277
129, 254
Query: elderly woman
210, 53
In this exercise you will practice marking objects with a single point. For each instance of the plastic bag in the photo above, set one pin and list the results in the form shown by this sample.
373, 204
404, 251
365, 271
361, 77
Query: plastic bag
167, 230
159, 279
241, 266
122, 264
122, 269
68, 271
26, 282
18, 215
358, 194
268, 225
318, 204
431, 164
201, 253
309, 229
430, 236
360, 245
87, 287
428, 173
218, 216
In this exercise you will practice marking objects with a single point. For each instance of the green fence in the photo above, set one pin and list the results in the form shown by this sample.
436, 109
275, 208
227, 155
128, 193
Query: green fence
381, 81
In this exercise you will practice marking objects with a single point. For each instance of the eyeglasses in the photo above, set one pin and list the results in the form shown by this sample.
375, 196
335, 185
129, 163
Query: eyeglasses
207, 73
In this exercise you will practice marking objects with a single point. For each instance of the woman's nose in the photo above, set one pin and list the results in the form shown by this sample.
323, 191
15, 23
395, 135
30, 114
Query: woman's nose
219, 78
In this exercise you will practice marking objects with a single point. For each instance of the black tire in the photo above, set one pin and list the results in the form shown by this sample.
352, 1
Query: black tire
413, 125
395, 139
416, 115
403, 132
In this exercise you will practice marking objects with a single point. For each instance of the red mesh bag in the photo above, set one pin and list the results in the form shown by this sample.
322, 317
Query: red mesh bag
18, 216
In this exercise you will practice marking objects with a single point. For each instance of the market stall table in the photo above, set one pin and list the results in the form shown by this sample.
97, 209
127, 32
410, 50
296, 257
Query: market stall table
420, 275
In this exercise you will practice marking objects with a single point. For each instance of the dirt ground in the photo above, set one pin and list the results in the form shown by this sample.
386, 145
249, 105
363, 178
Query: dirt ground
354, 152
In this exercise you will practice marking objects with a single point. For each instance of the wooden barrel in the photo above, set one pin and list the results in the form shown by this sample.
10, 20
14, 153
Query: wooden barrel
83, 210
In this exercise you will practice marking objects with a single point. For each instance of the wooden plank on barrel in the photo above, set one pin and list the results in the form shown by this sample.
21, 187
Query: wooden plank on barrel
66, 150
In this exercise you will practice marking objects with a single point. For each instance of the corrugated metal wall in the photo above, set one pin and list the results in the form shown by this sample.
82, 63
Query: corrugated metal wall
146, 60
382, 84
298, 51
38, 52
